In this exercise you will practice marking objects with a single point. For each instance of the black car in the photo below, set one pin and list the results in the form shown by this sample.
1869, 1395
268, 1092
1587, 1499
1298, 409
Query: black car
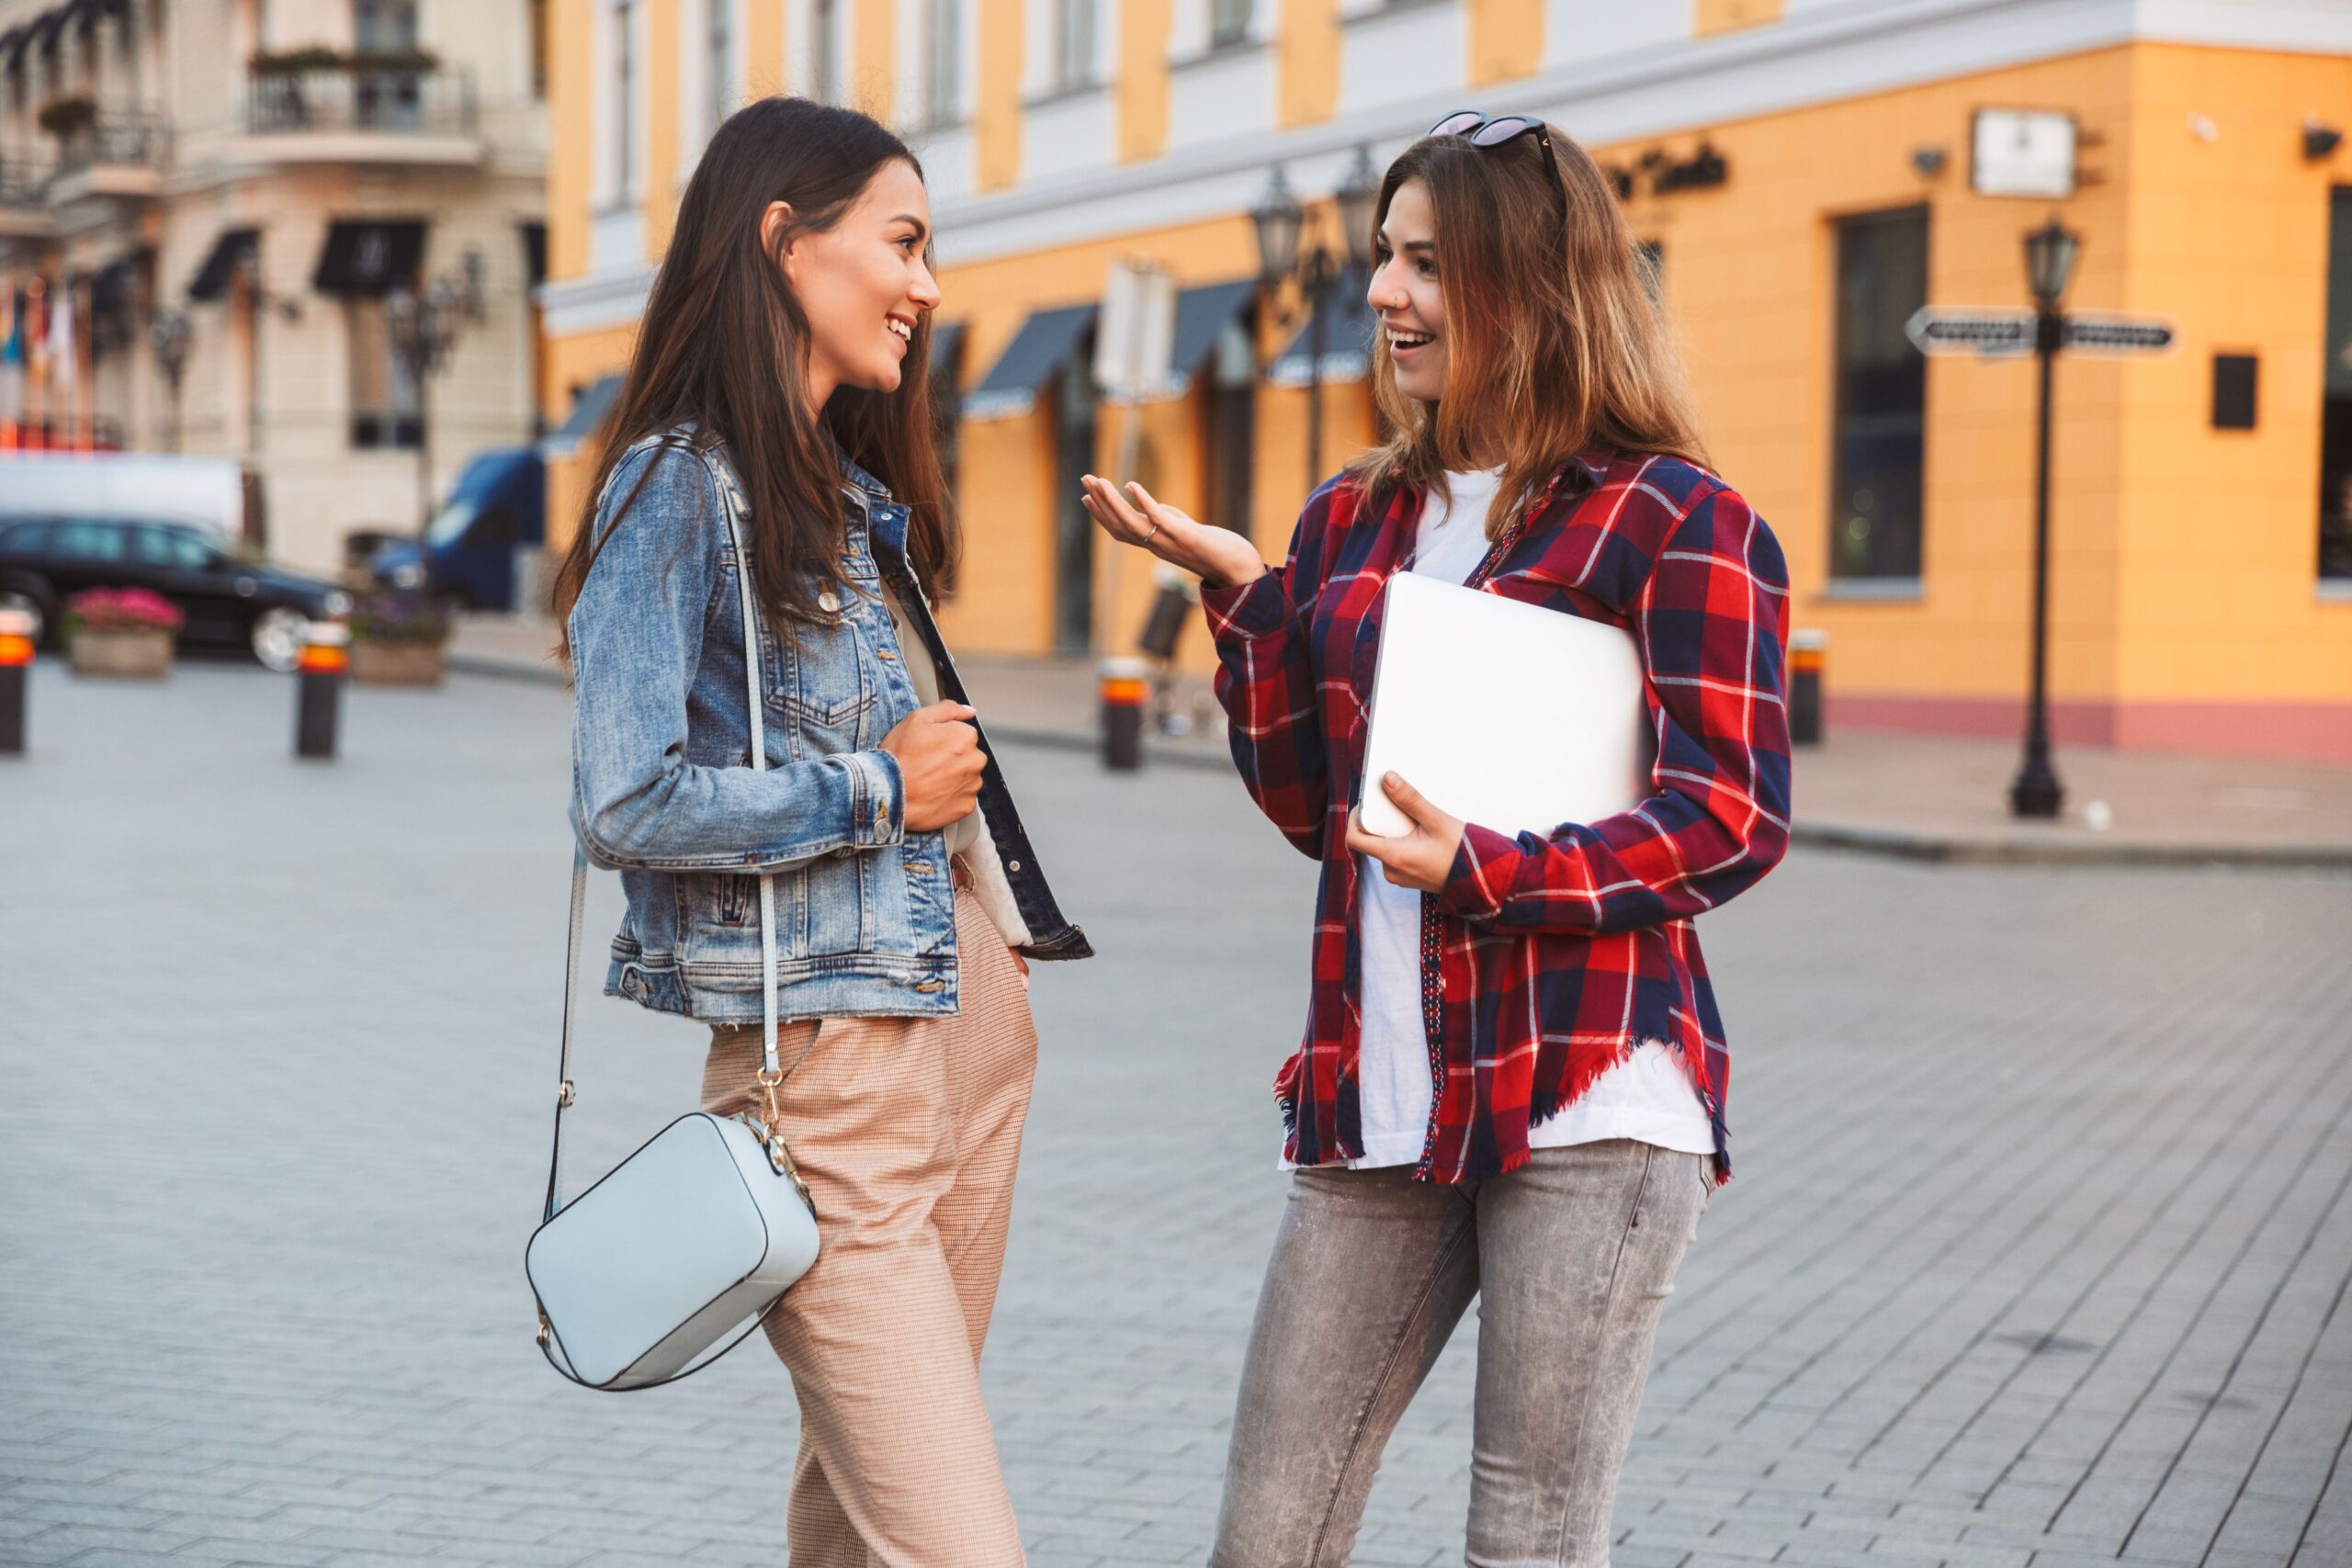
229, 601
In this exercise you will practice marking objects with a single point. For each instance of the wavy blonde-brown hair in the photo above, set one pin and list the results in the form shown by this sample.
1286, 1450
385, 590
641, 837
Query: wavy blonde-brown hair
1555, 340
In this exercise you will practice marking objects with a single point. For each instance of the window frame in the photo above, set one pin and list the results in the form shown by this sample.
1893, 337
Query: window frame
1846, 412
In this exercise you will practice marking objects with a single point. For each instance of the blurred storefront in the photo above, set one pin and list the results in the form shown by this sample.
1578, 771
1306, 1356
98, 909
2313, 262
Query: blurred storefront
1807, 177
241, 228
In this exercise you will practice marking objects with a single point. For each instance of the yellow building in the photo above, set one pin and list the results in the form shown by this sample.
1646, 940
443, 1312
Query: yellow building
1809, 175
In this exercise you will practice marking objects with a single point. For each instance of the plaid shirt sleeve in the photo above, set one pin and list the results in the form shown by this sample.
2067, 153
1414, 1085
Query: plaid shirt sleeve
1265, 682
1712, 625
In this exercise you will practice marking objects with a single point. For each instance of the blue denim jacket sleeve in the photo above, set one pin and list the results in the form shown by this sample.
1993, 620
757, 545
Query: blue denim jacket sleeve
637, 633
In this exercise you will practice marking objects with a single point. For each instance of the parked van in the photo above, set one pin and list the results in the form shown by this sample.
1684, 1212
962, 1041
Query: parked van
213, 494
485, 542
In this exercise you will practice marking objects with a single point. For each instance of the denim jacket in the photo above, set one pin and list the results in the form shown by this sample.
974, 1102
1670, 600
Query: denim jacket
663, 791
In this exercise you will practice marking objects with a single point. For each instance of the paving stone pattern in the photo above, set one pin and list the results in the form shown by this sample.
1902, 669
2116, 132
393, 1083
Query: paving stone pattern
2037, 1259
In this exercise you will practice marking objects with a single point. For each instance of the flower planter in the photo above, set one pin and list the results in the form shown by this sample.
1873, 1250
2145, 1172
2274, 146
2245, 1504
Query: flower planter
122, 655
396, 663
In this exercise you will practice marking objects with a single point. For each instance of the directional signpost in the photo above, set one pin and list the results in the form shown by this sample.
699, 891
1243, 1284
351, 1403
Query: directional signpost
2044, 331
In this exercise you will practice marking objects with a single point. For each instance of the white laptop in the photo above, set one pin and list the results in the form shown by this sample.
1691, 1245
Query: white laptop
1507, 715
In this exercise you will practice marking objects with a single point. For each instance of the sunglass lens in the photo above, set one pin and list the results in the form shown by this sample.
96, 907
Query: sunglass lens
1495, 132
1457, 123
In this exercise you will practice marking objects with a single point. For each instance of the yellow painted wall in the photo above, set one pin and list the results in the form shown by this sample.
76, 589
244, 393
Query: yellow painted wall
1307, 62
1142, 86
660, 177
997, 124
873, 77
572, 115
1505, 38
763, 49
1748, 272
2230, 238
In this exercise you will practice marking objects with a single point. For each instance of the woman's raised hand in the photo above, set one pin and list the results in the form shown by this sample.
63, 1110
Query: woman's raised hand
1221, 558
940, 760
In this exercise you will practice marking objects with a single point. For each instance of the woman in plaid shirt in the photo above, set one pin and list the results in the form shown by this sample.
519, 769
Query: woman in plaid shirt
1511, 1086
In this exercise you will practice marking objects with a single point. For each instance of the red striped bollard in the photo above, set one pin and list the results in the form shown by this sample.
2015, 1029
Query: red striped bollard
319, 672
1126, 686
16, 672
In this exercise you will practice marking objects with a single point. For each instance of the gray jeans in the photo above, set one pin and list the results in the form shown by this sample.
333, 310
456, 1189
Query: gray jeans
1572, 1257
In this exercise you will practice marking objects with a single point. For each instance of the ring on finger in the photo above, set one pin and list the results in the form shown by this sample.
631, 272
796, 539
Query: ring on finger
1155, 528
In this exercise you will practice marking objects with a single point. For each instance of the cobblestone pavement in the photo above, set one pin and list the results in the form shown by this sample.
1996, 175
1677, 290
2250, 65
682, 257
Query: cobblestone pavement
2038, 1255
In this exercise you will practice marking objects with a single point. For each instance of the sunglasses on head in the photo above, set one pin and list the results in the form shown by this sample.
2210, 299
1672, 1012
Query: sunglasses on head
1485, 132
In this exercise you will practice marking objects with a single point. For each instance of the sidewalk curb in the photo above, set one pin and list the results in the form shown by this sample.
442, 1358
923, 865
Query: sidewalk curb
1887, 843
1897, 843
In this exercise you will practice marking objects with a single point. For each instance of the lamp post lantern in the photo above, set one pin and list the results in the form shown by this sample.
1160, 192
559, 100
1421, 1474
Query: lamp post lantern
2050, 253
424, 328
1281, 224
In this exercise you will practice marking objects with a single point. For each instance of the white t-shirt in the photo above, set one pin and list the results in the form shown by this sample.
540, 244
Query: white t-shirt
1648, 1098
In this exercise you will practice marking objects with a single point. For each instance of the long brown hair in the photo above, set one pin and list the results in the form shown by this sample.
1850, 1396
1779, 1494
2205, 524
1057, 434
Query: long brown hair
1555, 342
724, 344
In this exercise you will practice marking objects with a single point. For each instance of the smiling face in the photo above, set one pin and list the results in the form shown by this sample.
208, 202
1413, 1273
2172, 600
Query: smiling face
1404, 292
863, 284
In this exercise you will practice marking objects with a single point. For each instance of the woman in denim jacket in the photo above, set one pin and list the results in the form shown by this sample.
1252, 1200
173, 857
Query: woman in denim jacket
780, 379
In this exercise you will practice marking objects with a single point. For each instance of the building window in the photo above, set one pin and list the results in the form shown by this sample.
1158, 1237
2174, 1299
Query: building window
2335, 423
1074, 42
947, 404
623, 118
945, 75
824, 84
1231, 427
722, 60
1877, 456
538, 24
383, 26
384, 409
1228, 22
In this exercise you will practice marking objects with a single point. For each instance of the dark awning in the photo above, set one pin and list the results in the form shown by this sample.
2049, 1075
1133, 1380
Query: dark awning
588, 410
946, 361
234, 245
1347, 326
47, 25
1201, 316
12, 46
1034, 357
369, 256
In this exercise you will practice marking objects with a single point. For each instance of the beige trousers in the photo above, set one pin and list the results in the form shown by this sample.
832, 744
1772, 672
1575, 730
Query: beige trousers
908, 1132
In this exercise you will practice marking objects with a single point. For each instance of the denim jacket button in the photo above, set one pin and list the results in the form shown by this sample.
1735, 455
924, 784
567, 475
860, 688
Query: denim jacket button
828, 601
1013, 866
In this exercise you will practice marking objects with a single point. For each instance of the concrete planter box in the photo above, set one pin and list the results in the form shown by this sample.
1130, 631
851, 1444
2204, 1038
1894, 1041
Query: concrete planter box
396, 663
121, 655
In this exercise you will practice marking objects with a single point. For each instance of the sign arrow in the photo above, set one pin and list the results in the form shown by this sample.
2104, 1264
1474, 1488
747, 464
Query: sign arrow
2120, 336
1988, 334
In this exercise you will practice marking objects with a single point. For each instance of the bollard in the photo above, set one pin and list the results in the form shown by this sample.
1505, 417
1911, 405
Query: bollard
1808, 654
319, 674
1126, 687
16, 668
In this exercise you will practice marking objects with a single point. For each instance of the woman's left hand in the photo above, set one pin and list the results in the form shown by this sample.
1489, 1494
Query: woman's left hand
1421, 859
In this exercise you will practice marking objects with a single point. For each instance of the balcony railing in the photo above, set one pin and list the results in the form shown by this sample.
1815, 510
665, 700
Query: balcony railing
22, 176
133, 138
412, 100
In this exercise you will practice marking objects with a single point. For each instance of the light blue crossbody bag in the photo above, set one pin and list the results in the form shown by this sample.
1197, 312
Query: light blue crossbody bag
707, 1225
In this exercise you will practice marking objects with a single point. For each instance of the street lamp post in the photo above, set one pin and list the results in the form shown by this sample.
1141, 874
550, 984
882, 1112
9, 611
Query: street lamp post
168, 334
1279, 222
2050, 253
424, 328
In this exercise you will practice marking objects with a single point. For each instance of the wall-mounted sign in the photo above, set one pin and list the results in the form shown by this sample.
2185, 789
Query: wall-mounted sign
1663, 173
1988, 334
2117, 337
2026, 153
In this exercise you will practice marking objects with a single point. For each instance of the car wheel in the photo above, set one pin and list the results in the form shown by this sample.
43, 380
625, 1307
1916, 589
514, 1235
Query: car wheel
12, 600
278, 638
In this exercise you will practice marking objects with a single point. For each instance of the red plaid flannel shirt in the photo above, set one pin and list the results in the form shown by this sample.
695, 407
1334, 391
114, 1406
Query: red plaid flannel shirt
1546, 960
